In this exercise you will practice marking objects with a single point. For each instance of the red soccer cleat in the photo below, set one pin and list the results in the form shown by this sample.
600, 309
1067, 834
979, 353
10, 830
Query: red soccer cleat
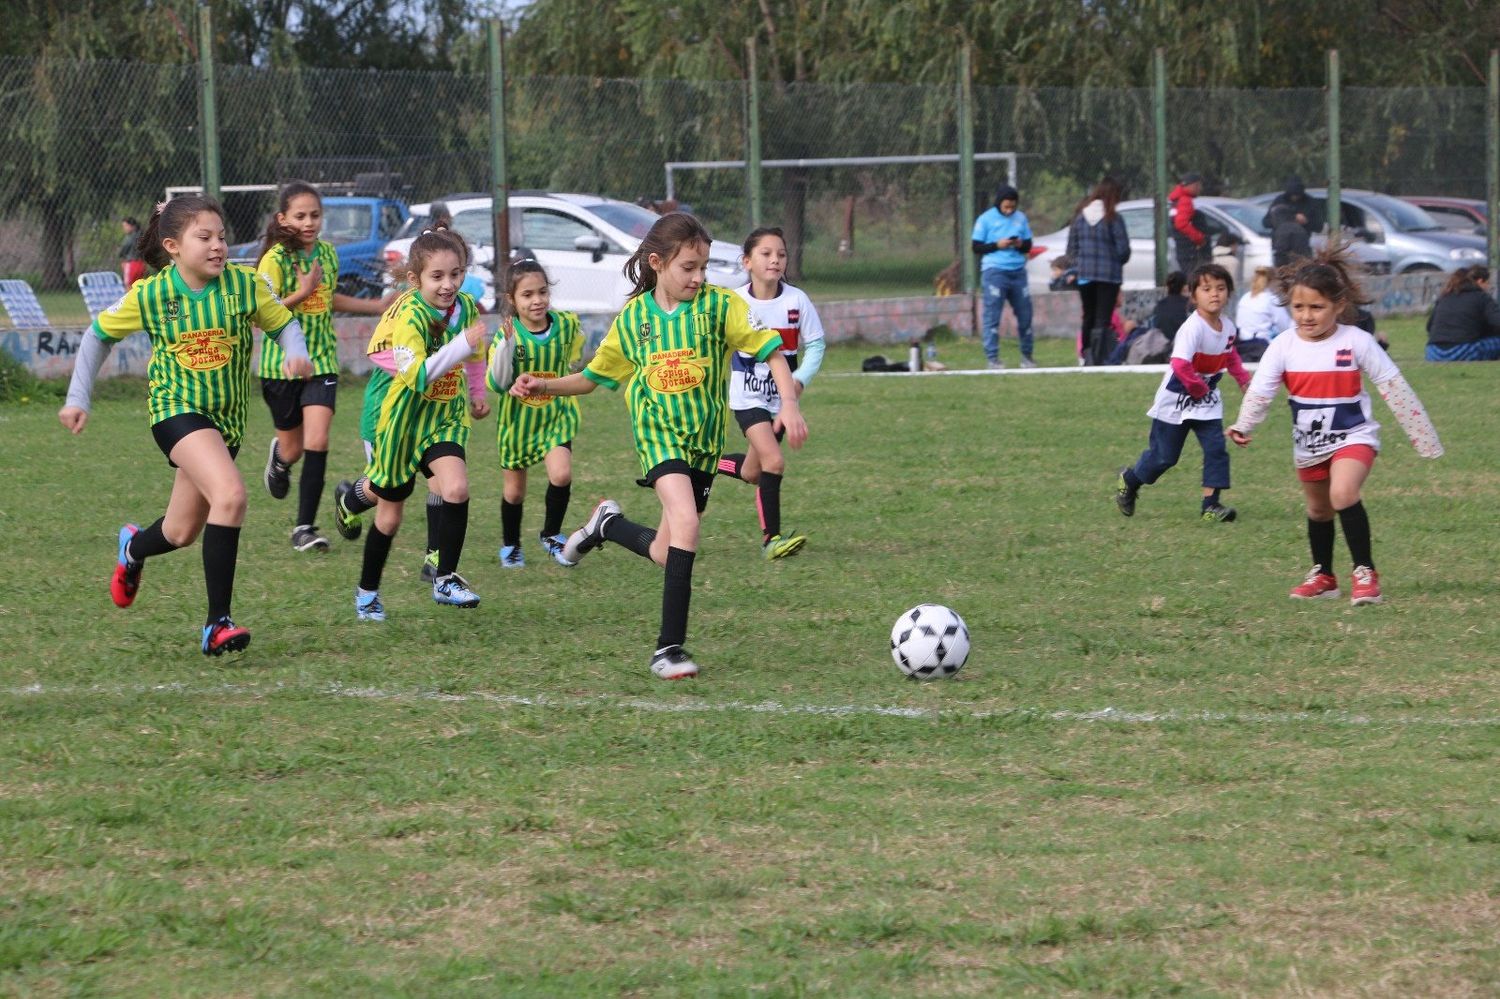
1366, 588
1318, 585
127, 577
223, 636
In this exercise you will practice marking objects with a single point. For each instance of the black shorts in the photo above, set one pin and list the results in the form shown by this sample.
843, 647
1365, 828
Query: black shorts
169, 432
748, 418
702, 481
398, 494
287, 397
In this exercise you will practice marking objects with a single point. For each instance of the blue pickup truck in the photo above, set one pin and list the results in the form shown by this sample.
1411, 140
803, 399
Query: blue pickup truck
358, 228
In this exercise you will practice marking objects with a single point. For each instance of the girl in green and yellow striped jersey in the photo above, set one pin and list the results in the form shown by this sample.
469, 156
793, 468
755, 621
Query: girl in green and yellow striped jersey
536, 429
670, 347
197, 309
424, 418
304, 271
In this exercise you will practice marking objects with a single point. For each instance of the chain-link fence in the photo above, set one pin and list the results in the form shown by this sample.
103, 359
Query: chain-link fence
90, 142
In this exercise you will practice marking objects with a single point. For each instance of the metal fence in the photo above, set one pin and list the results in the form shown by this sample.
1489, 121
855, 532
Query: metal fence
90, 142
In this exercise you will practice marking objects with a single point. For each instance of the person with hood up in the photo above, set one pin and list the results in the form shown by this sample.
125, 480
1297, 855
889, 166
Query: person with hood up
1002, 242
1193, 247
1304, 210
1099, 247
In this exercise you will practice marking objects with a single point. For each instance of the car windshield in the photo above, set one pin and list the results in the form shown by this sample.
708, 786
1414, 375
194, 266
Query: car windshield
1404, 216
415, 223
633, 220
346, 223
1250, 216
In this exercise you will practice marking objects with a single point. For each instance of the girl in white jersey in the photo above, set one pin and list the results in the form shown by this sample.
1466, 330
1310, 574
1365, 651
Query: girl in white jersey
1334, 437
752, 392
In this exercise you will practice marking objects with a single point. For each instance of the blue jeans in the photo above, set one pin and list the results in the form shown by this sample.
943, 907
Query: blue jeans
1000, 287
1165, 448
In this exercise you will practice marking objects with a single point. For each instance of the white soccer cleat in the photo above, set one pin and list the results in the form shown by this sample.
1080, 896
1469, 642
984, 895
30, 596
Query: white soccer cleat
673, 663
591, 534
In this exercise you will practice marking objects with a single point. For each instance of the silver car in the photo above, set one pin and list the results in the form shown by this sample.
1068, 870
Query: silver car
1395, 236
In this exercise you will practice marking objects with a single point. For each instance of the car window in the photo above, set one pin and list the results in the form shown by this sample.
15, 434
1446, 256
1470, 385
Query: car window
346, 223
633, 220
1138, 223
1405, 216
476, 225
390, 221
1452, 219
544, 229
1250, 216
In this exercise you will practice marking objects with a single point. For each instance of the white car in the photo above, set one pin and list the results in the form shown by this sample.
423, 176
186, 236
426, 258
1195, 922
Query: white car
583, 241
1217, 216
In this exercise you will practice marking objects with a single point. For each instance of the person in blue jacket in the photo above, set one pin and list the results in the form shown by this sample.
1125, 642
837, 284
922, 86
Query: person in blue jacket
1002, 242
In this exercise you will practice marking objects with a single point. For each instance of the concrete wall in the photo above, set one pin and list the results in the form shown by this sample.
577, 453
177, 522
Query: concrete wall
50, 353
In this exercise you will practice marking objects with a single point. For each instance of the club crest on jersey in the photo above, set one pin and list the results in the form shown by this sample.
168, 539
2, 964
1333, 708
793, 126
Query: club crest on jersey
174, 310
792, 316
644, 333
1344, 358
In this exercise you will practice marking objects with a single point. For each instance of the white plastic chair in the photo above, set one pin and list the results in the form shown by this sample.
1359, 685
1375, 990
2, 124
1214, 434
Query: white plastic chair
21, 305
101, 289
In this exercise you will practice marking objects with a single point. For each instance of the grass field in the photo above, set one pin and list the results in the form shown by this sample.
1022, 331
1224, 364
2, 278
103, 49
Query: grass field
1156, 774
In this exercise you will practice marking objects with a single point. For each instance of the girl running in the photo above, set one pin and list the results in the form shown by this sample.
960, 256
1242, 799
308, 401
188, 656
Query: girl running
424, 420
197, 309
304, 271
1334, 438
753, 394
546, 344
670, 347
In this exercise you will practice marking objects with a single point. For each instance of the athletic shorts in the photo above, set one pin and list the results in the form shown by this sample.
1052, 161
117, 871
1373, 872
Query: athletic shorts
748, 418
396, 494
702, 481
286, 397
1321, 471
169, 432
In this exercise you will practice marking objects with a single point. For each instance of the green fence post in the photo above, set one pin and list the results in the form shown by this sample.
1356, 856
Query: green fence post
1492, 172
1335, 214
207, 117
753, 189
1159, 126
966, 164
499, 187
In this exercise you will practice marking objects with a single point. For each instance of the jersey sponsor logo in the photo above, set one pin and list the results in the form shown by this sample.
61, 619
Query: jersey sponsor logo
757, 381
539, 400
446, 388
1314, 430
204, 350
673, 371
315, 304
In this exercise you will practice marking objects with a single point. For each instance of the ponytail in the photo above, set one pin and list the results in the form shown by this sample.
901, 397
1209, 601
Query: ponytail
168, 221
276, 233
668, 235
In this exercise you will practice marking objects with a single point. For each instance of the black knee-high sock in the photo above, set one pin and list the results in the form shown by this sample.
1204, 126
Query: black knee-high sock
768, 502
434, 522
557, 508
451, 533
377, 550
676, 595
310, 488
359, 500
221, 549
630, 535
1320, 539
730, 464
1356, 524
510, 522
149, 541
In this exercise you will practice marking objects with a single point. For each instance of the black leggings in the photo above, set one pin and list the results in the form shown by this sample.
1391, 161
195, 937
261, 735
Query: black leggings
1098, 305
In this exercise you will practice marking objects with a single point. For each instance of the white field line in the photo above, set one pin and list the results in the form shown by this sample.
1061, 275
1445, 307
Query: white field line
1113, 369
1112, 716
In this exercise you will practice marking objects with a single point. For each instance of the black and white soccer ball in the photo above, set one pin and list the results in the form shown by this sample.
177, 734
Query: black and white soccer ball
930, 642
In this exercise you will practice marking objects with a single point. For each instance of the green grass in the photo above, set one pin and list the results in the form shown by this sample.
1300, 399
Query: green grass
504, 802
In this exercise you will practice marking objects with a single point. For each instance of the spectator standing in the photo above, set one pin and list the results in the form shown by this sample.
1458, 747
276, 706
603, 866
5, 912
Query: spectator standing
1304, 209
1290, 238
1193, 248
1099, 247
1002, 242
132, 266
1464, 324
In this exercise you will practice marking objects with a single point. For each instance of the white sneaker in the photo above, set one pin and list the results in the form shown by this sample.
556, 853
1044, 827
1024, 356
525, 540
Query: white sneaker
590, 535
673, 663
453, 590
996, 365
1027, 362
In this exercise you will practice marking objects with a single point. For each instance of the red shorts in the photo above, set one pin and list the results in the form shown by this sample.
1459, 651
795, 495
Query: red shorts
1320, 471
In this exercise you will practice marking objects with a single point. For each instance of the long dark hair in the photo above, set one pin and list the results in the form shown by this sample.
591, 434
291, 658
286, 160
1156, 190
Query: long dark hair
1109, 191
169, 221
668, 235
1464, 279
276, 233
756, 235
1331, 272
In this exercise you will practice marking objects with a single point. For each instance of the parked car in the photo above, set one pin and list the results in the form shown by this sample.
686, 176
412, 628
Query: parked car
1216, 217
359, 229
1404, 238
1458, 214
583, 240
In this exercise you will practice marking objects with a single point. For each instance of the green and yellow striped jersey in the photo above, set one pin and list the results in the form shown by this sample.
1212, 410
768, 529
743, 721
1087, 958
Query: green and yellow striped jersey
416, 413
200, 341
677, 365
283, 268
530, 427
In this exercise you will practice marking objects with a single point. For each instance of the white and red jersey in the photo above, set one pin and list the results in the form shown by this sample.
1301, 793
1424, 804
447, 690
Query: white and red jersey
1325, 386
1198, 352
791, 314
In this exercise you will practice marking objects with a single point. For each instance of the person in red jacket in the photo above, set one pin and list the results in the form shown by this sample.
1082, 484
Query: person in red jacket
1193, 248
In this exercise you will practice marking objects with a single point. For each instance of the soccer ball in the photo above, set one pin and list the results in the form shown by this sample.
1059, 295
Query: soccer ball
930, 642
